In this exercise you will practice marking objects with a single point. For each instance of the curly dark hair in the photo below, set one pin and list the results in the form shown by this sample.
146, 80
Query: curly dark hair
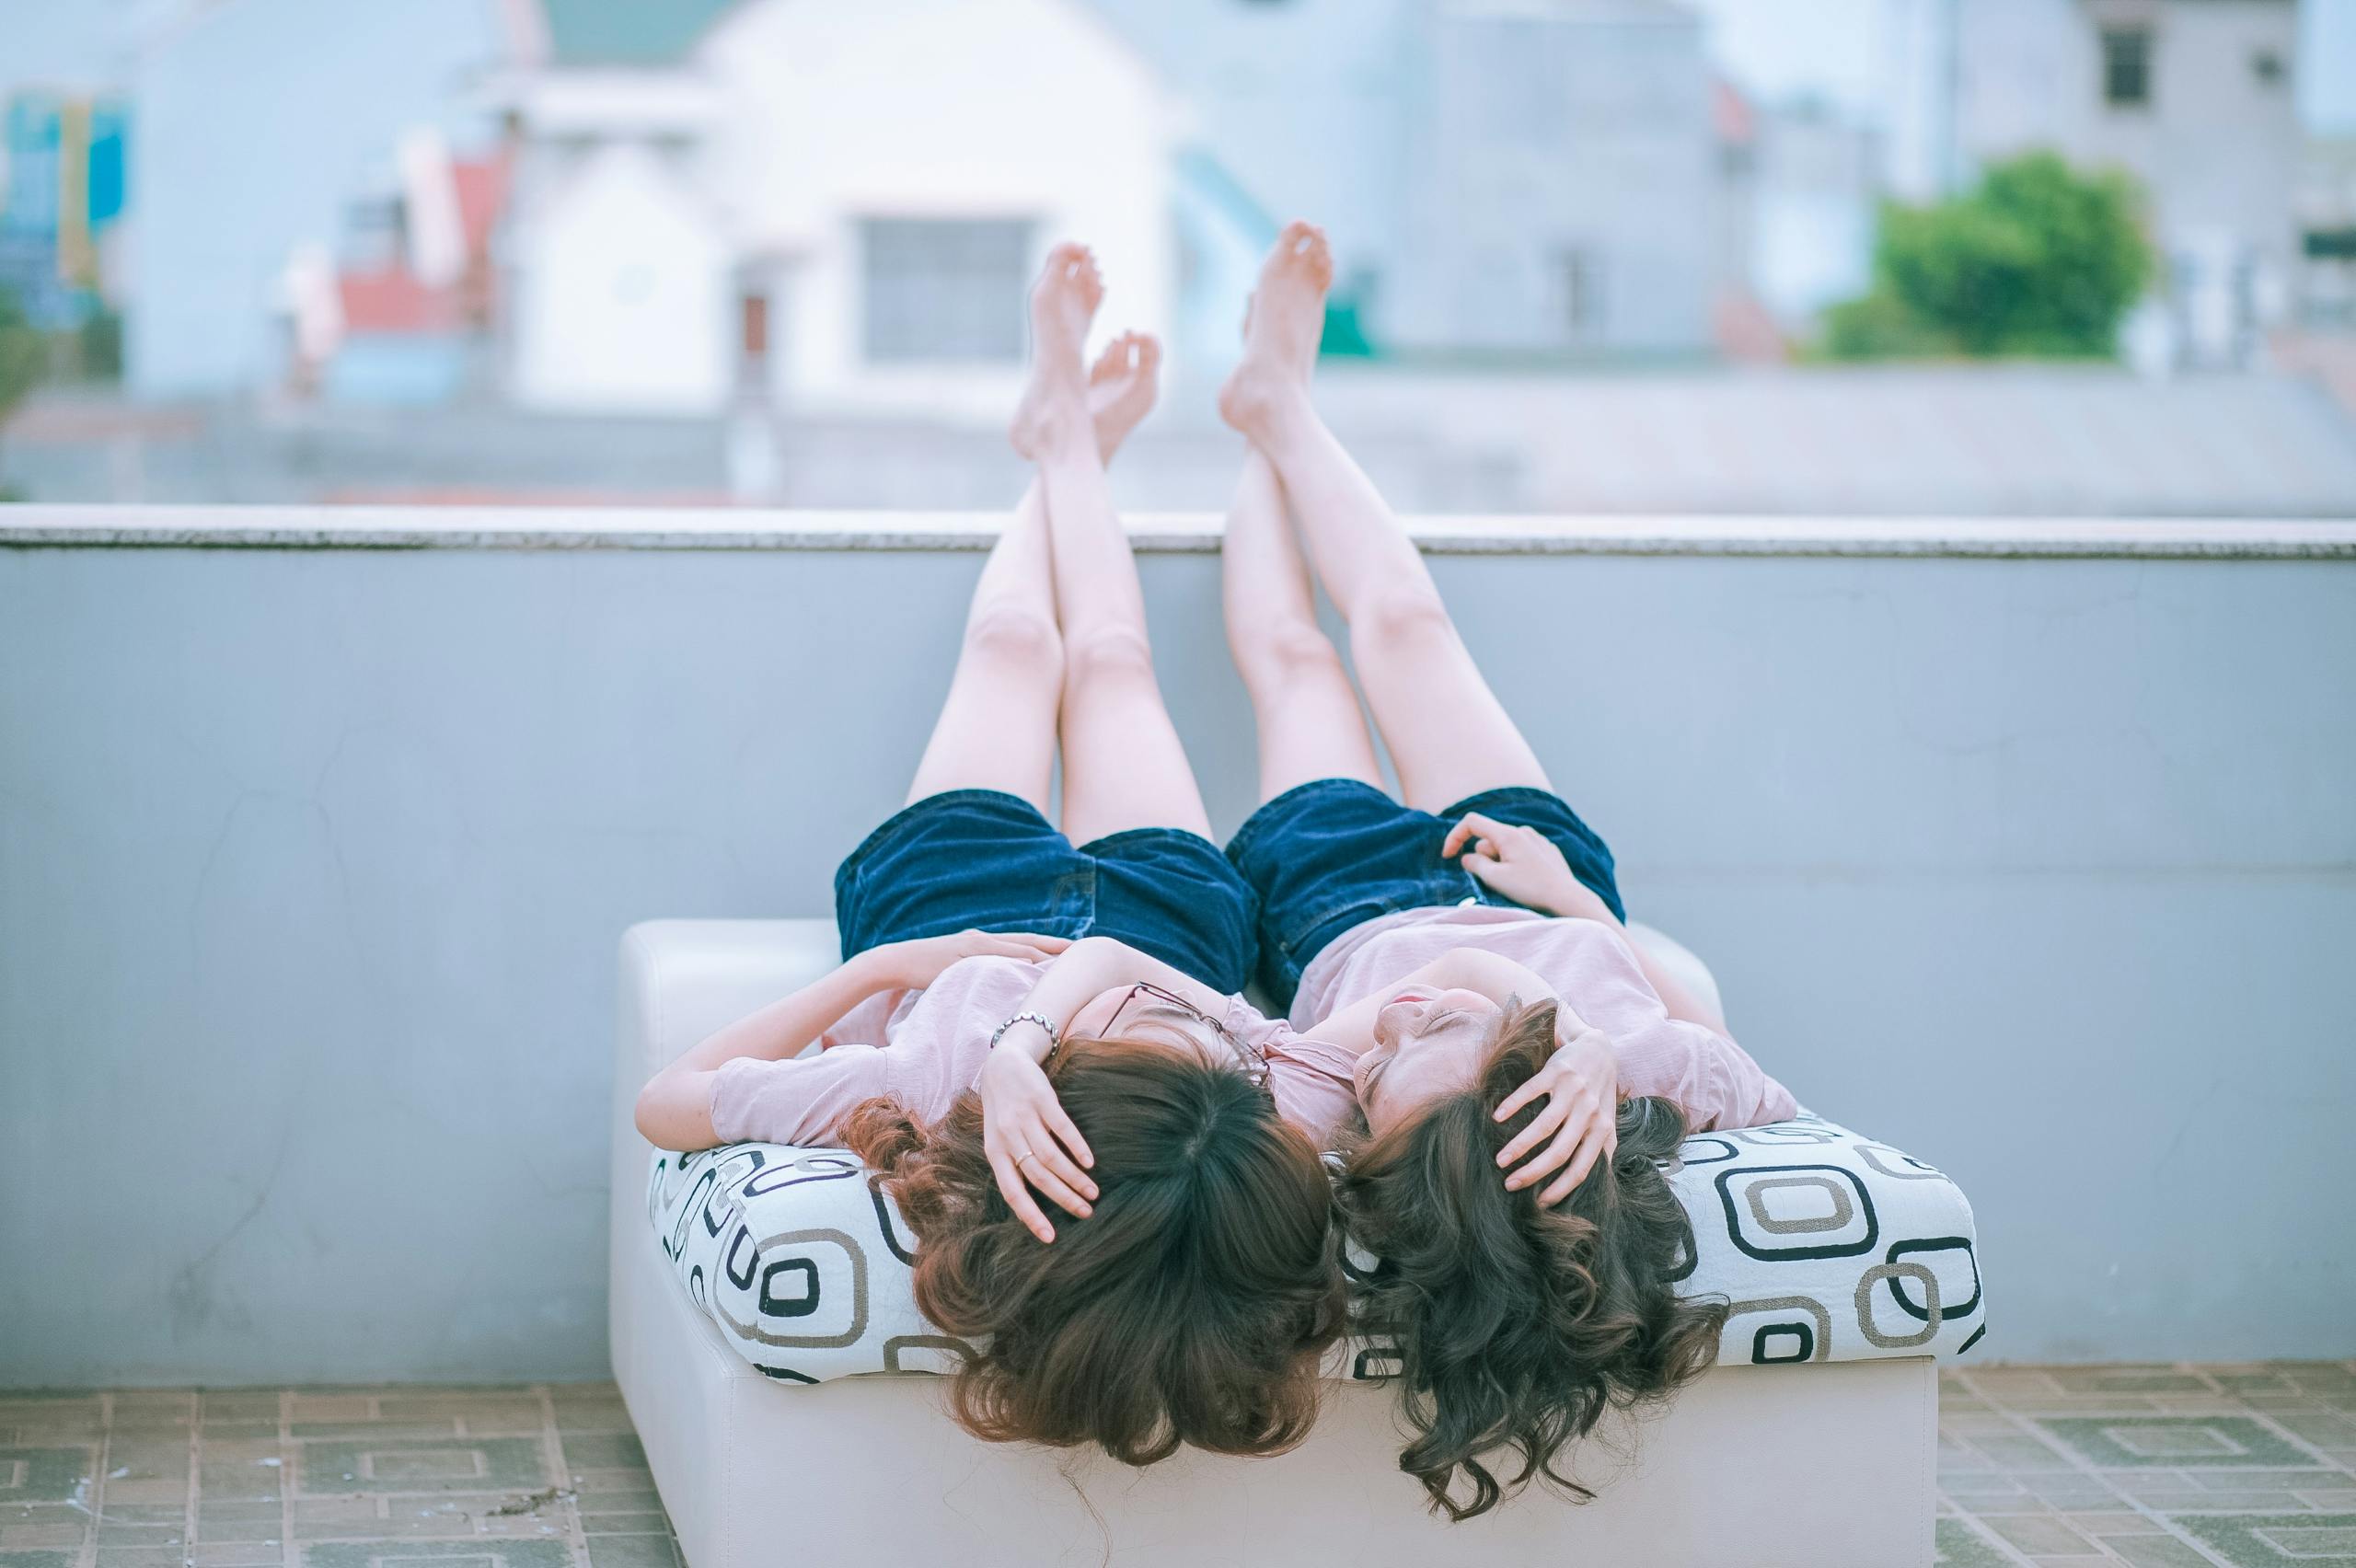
1191, 1306
1519, 1326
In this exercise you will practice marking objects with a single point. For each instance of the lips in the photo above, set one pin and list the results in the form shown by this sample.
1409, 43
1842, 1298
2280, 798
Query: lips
1411, 996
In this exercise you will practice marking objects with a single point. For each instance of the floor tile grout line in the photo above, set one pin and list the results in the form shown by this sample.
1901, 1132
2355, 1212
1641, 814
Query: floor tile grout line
96, 1507
1989, 1536
552, 1453
195, 1469
188, 1525
2305, 1445
2078, 1464
289, 1554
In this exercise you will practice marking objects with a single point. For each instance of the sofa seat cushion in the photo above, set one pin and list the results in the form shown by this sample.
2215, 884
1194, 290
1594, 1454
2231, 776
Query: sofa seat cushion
1827, 1245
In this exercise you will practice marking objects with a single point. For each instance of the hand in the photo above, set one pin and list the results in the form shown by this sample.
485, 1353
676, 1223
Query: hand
913, 965
1580, 1084
1030, 1140
1523, 864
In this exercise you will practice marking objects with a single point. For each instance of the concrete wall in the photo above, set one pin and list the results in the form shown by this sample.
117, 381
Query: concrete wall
312, 864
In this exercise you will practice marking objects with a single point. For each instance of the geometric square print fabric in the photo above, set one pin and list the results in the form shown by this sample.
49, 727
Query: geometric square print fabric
1828, 1247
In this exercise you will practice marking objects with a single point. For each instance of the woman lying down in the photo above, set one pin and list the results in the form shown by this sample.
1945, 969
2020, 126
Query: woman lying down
1034, 1017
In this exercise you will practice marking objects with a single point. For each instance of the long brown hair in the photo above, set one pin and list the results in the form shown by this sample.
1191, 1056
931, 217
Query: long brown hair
1519, 1326
1190, 1307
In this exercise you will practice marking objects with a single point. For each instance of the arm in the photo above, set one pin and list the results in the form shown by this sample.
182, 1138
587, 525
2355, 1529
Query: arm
1523, 864
1030, 1141
674, 1108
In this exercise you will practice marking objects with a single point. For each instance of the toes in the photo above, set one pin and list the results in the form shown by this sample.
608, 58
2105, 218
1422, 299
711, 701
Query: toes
1114, 360
1149, 349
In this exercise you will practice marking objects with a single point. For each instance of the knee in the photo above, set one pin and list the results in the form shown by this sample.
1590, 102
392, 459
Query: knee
1016, 636
1108, 653
1407, 615
1284, 652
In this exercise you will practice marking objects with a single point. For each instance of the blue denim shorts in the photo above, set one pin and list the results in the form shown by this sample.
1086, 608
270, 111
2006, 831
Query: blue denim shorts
1335, 853
986, 860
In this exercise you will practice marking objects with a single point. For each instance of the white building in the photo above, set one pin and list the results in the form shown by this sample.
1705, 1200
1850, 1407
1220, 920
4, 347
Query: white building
1816, 178
1500, 176
2194, 98
254, 122
838, 204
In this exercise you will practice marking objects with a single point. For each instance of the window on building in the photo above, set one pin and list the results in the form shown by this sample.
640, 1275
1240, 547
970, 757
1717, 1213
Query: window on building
753, 323
2127, 67
945, 289
1582, 286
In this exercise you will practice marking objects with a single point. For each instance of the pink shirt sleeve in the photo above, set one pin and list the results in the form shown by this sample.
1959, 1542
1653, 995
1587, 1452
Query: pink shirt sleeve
1709, 1077
797, 1101
931, 1046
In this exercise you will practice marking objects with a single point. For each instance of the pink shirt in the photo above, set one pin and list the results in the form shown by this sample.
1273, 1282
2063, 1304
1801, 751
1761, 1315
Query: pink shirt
1591, 968
925, 1048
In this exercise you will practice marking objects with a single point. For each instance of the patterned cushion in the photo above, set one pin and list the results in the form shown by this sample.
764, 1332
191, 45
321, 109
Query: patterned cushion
1828, 1246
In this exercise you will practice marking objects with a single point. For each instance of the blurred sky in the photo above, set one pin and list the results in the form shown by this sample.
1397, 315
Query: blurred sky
1775, 47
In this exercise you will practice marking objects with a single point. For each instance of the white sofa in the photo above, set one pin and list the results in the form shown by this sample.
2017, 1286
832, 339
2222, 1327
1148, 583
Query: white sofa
1827, 1464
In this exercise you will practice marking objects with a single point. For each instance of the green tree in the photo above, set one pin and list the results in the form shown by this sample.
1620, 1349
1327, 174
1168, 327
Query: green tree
22, 356
2036, 259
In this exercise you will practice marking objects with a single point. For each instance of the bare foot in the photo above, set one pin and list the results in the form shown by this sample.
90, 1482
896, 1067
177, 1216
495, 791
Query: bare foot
1281, 333
1122, 386
1063, 302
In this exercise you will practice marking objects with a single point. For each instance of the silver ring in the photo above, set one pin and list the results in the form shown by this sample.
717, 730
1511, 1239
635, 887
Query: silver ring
1026, 1154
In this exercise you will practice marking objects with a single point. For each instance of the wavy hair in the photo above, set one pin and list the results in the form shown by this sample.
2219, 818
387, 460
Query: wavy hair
1190, 1307
1519, 1326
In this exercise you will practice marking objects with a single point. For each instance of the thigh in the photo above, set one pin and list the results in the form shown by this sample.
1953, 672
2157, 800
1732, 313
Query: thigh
1306, 712
1124, 765
997, 729
1448, 735
967, 859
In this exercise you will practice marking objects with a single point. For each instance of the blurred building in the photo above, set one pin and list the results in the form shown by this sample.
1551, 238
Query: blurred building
2194, 98
2327, 282
1535, 178
411, 317
62, 183
257, 124
840, 205
1815, 179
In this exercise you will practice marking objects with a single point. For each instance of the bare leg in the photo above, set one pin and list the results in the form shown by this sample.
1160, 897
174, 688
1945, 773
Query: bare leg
1124, 765
997, 729
1448, 733
1307, 713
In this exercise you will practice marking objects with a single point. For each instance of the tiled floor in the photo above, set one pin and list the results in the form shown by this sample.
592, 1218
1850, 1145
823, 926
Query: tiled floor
2155, 1467
2159, 1467
328, 1478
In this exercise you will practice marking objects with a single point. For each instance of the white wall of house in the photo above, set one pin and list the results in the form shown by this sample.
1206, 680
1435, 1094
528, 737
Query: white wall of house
988, 110
1815, 178
629, 301
653, 203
